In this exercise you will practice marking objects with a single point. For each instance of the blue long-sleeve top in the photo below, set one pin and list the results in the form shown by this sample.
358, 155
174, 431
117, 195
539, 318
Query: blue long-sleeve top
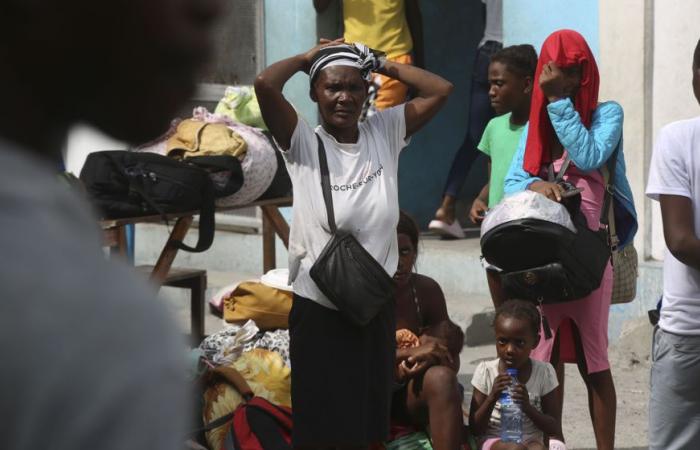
589, 149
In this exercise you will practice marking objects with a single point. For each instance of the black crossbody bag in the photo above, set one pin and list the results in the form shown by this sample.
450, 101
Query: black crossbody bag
344, 271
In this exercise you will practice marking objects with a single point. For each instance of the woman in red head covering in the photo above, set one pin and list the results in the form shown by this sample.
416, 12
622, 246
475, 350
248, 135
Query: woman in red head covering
568, 124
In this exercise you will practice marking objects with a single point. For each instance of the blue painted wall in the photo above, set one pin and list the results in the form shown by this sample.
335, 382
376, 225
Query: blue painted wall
531, 21
290, 29
452, 30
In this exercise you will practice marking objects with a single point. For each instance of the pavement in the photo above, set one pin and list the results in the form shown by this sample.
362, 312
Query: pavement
629, 358
455, 265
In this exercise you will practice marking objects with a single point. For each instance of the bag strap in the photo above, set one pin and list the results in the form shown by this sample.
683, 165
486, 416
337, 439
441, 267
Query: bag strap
219, 163
607, 214
326, 184
234, 378
559, 175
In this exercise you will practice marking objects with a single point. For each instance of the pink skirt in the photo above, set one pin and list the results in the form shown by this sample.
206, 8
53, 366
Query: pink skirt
589, 314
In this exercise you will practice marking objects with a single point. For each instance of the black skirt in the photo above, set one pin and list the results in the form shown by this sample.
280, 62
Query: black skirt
342, 376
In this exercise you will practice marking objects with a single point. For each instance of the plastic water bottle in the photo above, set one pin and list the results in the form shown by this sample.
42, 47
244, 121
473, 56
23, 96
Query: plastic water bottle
511, 414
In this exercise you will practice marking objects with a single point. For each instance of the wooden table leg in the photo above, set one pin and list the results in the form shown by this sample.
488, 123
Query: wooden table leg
268, 237
275, 218
115, 239
167, 256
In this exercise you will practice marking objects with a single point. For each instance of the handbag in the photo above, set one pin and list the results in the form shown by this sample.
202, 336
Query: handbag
131, 184
625, 261
544, 261
344, 271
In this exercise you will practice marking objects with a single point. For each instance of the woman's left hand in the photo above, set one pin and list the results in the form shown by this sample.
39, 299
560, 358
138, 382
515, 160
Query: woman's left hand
520, 395
309, 55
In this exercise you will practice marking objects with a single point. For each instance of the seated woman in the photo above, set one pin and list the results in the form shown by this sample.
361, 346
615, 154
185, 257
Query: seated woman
430, 395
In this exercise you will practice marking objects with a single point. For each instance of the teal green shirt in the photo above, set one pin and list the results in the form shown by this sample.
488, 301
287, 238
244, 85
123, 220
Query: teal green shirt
499, 142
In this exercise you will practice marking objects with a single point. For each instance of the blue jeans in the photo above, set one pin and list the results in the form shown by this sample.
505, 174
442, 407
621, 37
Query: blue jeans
480, 112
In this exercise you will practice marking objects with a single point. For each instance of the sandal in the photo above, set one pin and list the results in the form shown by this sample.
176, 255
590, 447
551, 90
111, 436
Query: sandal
444, 229
555, 444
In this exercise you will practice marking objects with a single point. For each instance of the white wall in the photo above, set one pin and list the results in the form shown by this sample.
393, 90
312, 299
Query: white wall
83, 140
625, 78
676, 33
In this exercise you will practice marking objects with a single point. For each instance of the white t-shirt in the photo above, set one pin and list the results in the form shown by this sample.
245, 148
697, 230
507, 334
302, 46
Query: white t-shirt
493, 30
543, 380
364, 187
675, 170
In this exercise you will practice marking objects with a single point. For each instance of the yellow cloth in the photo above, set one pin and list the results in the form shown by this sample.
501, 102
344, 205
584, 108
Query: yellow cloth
197, 138
379, 24
267, 376
267, 306
391, 92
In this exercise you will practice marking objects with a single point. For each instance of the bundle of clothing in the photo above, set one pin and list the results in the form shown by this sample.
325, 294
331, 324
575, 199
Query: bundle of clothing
206, 134
262, 359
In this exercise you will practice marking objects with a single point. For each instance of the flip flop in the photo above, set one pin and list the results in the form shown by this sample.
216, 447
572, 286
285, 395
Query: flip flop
453, 230
555, 444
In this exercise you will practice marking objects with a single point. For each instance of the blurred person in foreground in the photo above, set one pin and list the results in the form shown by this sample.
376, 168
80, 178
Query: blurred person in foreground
89, 358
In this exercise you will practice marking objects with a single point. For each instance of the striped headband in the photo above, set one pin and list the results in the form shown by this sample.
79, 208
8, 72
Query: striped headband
358, 56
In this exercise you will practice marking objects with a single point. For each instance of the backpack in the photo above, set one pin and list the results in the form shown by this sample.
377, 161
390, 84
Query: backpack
256, 424
542, 257
131, 184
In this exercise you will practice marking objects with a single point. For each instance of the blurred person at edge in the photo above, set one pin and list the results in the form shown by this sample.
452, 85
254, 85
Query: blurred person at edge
89, 358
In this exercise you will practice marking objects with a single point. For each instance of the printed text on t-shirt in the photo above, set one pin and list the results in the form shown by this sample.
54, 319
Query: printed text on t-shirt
369, 178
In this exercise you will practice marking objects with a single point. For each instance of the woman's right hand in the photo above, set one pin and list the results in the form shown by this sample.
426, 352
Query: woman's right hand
429, 353
552, 191
478, 211
500, 384
309, 55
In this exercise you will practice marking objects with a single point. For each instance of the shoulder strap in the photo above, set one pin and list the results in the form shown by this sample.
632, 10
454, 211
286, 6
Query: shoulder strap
607, 214
555, 178
326, 184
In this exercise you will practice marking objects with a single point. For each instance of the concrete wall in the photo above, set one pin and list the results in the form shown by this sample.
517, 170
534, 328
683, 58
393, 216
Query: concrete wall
625, 73
452, 30
290, 29
530, 22
676, 34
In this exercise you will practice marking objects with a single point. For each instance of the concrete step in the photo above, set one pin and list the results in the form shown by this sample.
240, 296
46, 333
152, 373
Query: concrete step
454, 264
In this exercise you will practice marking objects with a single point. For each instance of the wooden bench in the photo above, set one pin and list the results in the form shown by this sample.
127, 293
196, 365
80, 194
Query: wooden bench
162, 273
273, 223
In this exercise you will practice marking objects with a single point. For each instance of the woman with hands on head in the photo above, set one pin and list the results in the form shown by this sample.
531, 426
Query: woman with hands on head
343, 373
429, 394
567, 122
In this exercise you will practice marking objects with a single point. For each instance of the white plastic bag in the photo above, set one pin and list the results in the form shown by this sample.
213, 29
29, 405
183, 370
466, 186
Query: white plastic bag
527, 205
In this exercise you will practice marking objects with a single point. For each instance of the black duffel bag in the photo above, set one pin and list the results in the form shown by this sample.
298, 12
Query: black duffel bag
132, 184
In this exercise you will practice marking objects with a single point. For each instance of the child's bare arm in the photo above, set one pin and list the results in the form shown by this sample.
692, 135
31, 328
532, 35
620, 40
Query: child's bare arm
544, 420
482, 405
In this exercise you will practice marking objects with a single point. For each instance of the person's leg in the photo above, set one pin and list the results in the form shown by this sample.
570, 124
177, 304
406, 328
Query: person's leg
674, 402
559, 369
439, 394
498, 296
602, 399
480, 112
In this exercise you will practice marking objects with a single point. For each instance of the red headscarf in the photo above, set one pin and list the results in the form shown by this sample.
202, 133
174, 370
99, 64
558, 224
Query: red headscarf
566, 48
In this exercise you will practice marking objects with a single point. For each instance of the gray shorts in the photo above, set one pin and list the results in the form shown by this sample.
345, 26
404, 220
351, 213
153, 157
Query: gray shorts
674, 406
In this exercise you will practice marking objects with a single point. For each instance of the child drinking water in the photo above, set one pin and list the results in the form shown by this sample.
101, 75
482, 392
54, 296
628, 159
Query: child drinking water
517, 325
